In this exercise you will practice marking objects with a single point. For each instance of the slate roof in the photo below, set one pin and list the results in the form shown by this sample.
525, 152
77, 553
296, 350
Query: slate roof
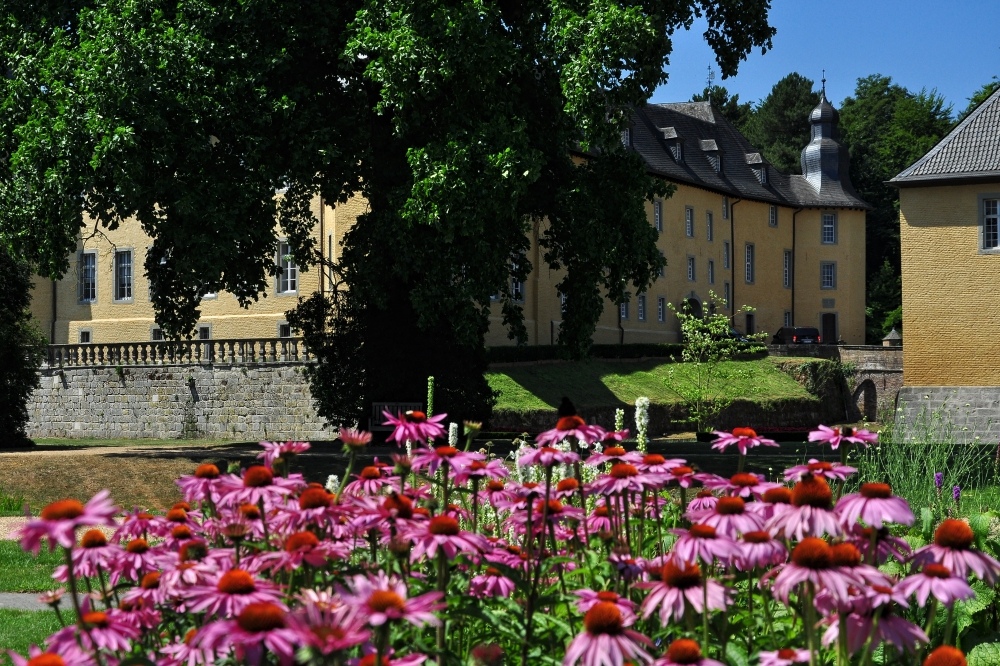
704, 132
969, 153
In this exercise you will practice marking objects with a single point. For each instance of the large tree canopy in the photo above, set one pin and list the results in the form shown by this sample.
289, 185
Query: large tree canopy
779, 126
457, 121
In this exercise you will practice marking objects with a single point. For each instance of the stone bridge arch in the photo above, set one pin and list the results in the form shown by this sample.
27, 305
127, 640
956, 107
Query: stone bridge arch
866, 398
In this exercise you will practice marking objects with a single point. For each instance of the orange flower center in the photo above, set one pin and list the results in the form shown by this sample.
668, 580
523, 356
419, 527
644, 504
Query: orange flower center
744, 432
443, 526
554, 506
177, 516
236, 581
623, 471
181, 532
250, 511
301, 541
653, 459
681, 470
493, 571
415, 416
477, 466
66, 509
259, 617
137, 546
567, 485
182, 505
601, 512
382, 600
778, 495
193, 551
46, 659
744, 480
702, 531
730, 506
570, 423
446, 451
946, 655
882, 589
757, 536
608, 596
787, 653
150, 581
93, 539
813, 553
684, 651
604, 617
96, 619
820, 467
812, 491
314, 498
371, 473
682, 578
876, 490
937, 571
614, 451
207, 471
952, 533
704, 493
494, 486
257, 476
845, 555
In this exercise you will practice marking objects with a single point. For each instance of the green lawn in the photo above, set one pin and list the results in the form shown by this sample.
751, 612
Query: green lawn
19, 630
23, 572
600, 383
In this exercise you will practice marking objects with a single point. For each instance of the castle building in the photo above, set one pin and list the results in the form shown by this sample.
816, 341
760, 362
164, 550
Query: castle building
790, 246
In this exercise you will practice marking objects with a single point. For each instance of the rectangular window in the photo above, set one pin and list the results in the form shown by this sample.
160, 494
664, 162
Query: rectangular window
641, 308
623, 310
788, 318
711, 272
725, 255
204, 332
689, 222
751, 324
691, 269
562, 303
156, 334
123, 275
88, 277
658, 215
661, 309
991, 228
626, 137
749, 264
725, 208
288, 276
663, 269
787, 269
829, 228
284, 330
517, 290
85, 338
725, 295
772, 218
828, 275
709, 230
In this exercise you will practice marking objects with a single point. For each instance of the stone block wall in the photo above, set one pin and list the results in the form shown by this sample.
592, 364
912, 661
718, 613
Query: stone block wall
238, 402
966, 413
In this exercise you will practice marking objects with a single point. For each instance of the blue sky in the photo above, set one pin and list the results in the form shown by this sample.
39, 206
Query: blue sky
953, 46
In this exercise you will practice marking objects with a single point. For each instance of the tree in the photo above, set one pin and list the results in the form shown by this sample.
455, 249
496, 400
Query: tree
979, 97
22, 348
457, 121
886, 128
779, 126
737, 113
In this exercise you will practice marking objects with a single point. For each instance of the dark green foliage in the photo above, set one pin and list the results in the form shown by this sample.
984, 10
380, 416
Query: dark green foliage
526, 354
457, 121
779, 126
22, 348
979, 97
886, 128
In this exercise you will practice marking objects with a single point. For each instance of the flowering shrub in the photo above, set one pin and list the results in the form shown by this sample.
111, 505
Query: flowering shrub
596, 555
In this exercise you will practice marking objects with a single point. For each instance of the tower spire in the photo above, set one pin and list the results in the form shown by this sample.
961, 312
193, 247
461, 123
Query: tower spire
823, 91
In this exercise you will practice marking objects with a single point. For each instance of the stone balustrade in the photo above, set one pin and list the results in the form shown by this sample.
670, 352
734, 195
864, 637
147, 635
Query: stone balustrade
182, 352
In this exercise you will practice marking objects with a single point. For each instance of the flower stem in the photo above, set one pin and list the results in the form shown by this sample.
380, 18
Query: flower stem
347, 474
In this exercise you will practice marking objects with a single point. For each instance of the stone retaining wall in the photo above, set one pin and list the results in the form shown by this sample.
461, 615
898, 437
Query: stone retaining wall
239, 402
965, 413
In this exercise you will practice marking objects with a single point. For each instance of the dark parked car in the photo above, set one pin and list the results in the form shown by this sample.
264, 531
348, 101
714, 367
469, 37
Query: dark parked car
797, 335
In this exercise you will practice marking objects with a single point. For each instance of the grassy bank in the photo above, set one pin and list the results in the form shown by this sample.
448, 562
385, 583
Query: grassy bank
598, 383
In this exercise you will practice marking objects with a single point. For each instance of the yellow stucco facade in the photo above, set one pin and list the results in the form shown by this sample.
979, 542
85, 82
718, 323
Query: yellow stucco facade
950, 306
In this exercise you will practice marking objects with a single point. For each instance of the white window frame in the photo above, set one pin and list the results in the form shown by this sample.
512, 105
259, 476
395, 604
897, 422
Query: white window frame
663, 268
288, 271
772, 216
85, 333
828, 228
709, 226
640, 308
623, 310
711, 271
155, 334
691, 272
828, 275
788, 318
658, 215
124, 276
989, 223
725, 255
787, 270
661, 309
725, 208
689, 222
82, 278
750, 265
284, 326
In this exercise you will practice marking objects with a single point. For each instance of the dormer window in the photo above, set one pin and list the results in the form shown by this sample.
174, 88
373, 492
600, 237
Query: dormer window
759, 167
674, 142
626, 137
712, 152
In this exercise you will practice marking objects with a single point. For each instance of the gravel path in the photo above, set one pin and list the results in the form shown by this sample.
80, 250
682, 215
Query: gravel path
25, 602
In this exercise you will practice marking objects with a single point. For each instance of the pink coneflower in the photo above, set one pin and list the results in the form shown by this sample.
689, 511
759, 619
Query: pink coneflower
202, 485
812, 561
587, 599
614, 454
73, 656
572, 428
383, 599
890, 628
149, 593
741, 484
258, 628
685, 652
369, 481
135, 559
433, 458
847, 556
832, 471
705, 543
600, 519
758, 550
654, 463
326, 624
886, 544
784, 657
729, 517
496, 492
443, 532
628, 568
606, 640
874, 504
566, 489
414, 426
704, 501
622, 477
810, 513
274, 450
59, 520
233, 591
936, 580
547, 456
183, 652
684, 476
94, 554
742, 438
834, 436
679, 583
477, 469
354, 438
305, 548
388, 659
137, 524
97, 630
257, 484
952, 548
491, 583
